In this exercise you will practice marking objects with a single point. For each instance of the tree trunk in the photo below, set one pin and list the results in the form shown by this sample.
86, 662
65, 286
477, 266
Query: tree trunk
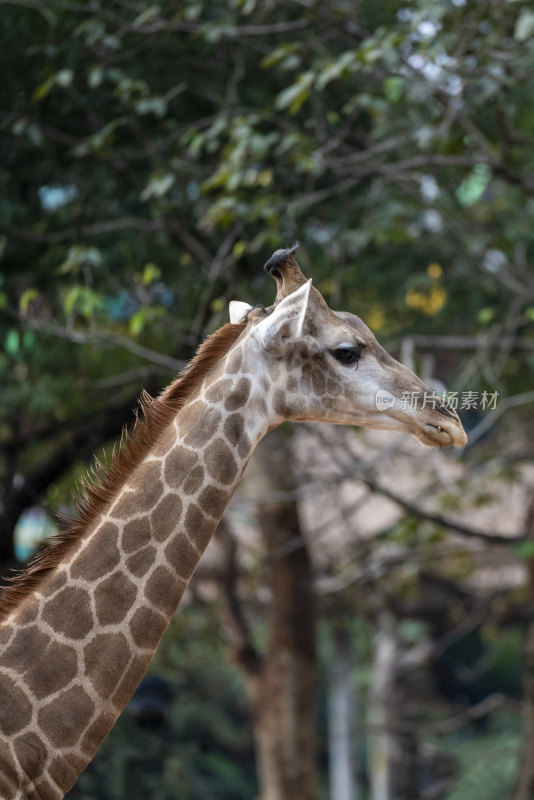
524, 789
381, 746
340, 721
282, 683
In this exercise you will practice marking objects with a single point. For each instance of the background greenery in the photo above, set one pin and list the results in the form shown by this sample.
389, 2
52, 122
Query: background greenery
153, 156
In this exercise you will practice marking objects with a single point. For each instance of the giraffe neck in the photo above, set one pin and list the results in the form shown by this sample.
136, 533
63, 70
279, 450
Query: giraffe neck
77, 647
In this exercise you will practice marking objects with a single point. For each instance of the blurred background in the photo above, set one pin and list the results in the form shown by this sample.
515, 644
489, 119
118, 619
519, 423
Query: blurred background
362, 626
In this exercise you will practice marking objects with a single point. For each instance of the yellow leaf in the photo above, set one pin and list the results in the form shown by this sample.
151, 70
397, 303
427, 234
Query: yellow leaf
434, 270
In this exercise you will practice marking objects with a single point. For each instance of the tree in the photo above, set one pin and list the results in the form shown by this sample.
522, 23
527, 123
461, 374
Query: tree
156, 156
282, 682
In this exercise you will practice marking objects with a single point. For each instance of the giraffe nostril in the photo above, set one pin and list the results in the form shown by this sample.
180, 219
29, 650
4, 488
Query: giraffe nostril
447, 411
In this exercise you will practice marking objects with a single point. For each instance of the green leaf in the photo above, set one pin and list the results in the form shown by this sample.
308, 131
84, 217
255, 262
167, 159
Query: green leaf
26, 298
277, 55
152, 105
158, 185
473, 187
137, 322
335, 69
61, 78
64, 78
524, 549
143, 317
82, 300
44, 88
150, 273
217, 304
524, 27
238, 249
295, 95
95, 76
28, 340
146, 16
77, 256
394, 88
485, 315
12, 342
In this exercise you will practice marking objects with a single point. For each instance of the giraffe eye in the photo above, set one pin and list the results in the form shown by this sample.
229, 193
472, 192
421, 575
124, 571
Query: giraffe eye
347, 355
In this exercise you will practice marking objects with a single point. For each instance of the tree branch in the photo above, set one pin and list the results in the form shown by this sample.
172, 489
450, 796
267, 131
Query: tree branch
438, 519
240, 639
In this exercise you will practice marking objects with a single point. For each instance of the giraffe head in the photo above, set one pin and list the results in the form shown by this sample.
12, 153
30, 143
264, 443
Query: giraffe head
327, 366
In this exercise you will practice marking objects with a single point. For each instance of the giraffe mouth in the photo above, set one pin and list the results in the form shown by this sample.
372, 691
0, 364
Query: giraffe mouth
442, 435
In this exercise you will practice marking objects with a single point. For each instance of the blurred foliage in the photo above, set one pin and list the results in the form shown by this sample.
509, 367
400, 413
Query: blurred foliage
487, 764
155, 155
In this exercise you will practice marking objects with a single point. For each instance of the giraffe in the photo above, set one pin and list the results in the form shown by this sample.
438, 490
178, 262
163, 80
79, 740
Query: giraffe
79, 627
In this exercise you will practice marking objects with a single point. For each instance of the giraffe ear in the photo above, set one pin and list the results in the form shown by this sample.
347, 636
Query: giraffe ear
238, 310
283, 326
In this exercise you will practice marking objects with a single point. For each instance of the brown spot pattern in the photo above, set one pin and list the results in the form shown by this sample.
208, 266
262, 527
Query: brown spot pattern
166, 517
333, 387
306, 379
235, 362
166, 440
136, 534
213, 501
57, 668
145, 477
234, 428
106, 657
130, 680
280, 405
16, 707
8, 780
139, 563
44, 790
199, 527
292, 384
69, 612
318, 381
6, 632
55, 582
100, 556
163, 590
244, 447
218, 390
182, 556
114, 598
29, 611
220, 462
147, 627
97, 731
197, 423
193, 480
239, 396
31, 754
28, 645
147, 489
62, 772
178, 465
63, 718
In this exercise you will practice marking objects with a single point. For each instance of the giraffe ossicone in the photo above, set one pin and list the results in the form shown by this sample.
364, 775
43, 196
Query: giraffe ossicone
79, 627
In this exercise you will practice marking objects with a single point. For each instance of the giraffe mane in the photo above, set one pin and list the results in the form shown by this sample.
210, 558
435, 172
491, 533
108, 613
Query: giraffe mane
101, 485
